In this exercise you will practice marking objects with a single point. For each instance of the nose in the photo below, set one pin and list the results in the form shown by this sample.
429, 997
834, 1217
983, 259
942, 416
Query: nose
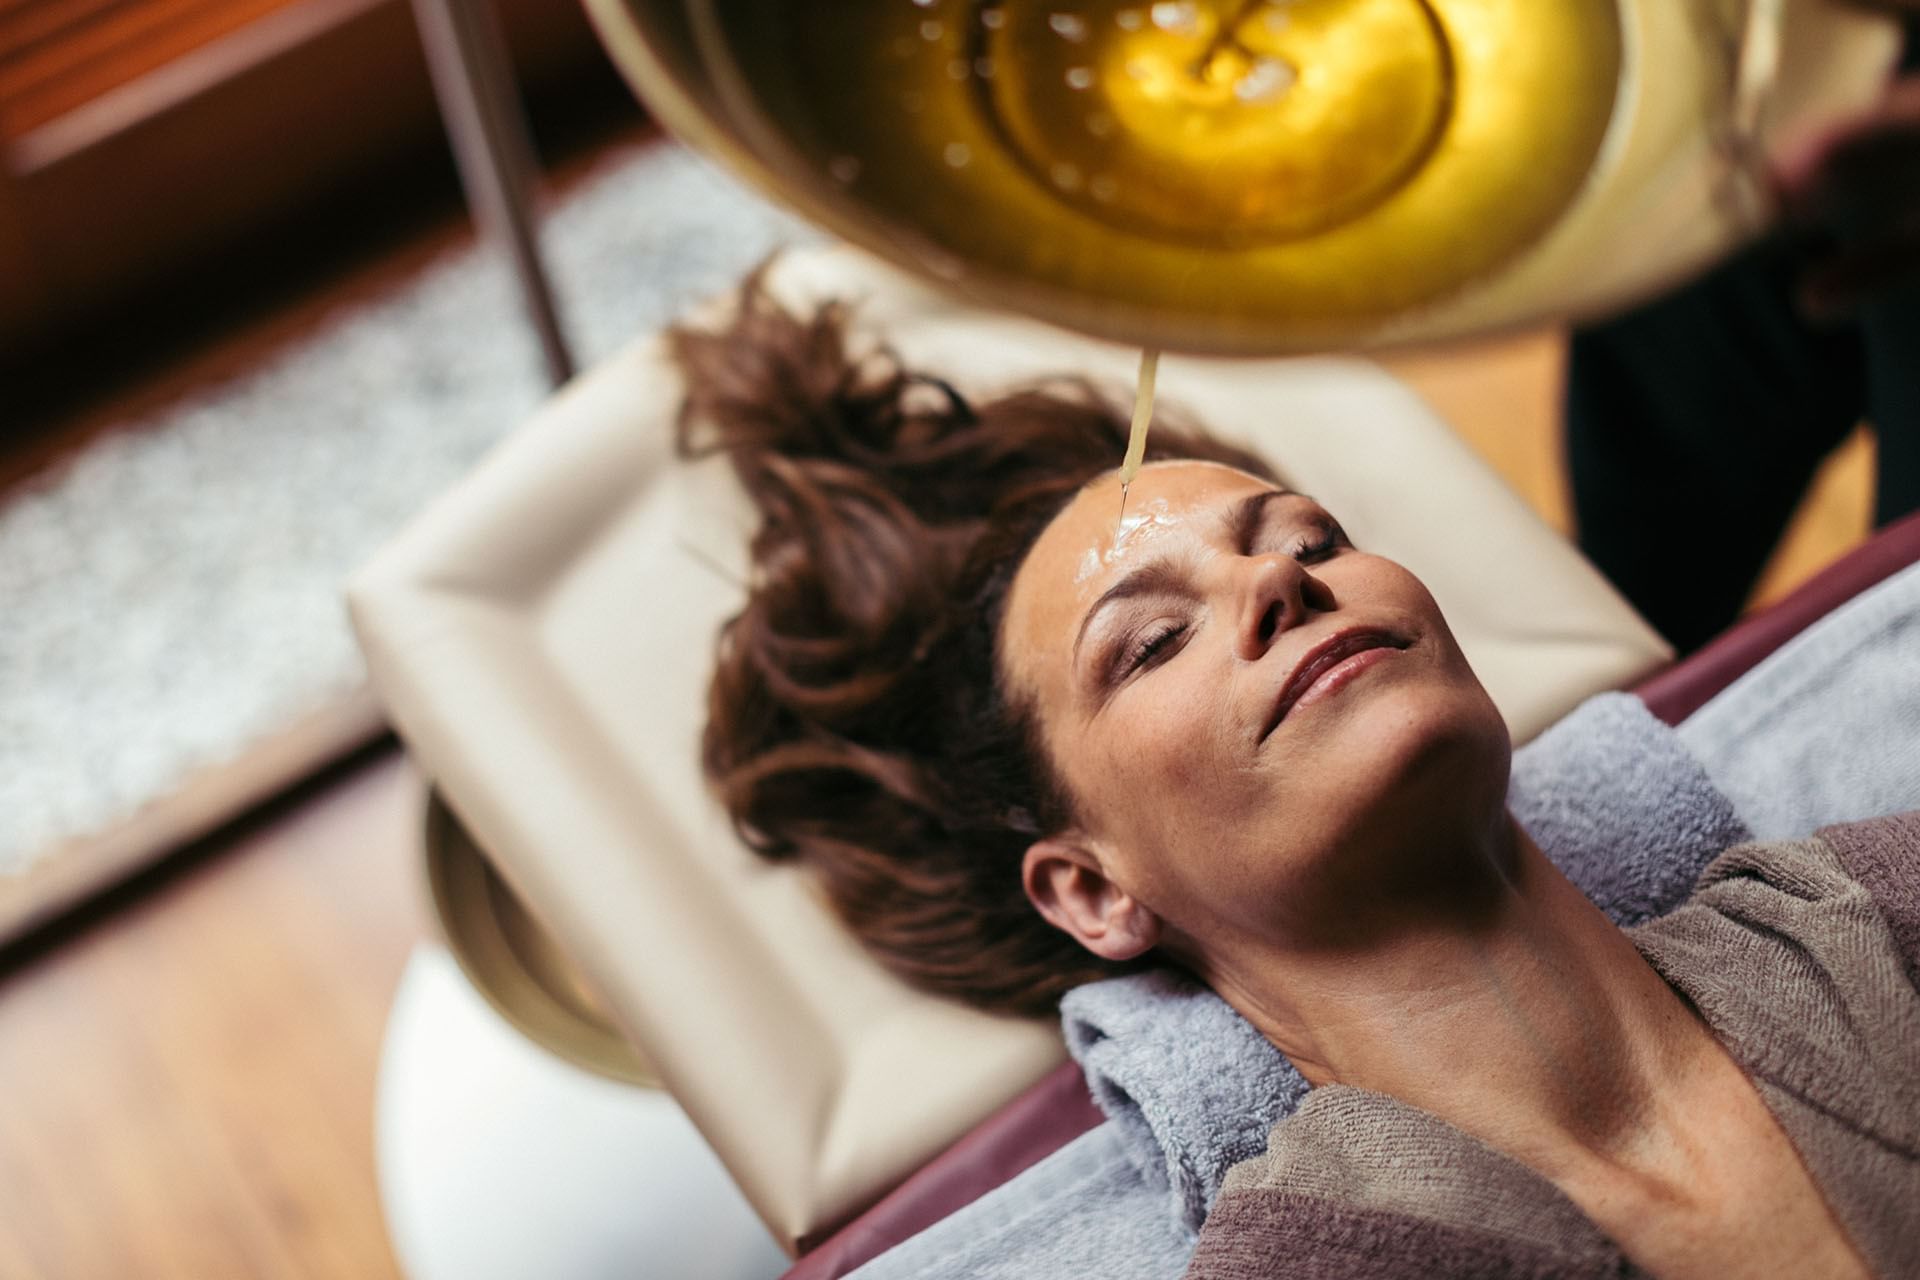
1276, 593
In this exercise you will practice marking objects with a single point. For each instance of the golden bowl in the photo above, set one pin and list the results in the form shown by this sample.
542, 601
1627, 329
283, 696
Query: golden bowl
1261, 176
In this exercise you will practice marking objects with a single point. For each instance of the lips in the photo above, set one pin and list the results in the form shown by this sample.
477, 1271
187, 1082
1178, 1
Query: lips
1324, 657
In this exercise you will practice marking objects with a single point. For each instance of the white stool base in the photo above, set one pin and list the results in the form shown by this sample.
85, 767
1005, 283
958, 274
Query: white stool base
499, 1161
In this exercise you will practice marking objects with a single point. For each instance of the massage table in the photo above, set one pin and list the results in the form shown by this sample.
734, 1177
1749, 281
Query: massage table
542, 634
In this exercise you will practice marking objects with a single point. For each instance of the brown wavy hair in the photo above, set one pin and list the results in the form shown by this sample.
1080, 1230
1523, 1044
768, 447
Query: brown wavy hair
858, 721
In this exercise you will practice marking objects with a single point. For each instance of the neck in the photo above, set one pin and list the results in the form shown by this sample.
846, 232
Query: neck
1522, 1016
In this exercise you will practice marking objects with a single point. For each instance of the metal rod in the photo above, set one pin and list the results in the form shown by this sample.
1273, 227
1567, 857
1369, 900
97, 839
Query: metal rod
473, 81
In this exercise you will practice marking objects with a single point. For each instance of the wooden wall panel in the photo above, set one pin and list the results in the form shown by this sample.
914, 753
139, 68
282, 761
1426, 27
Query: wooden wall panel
22, 296
165, 168
56, 55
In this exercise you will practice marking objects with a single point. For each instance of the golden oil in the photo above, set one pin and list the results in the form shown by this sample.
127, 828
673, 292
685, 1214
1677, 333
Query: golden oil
1309, 167
1137, 431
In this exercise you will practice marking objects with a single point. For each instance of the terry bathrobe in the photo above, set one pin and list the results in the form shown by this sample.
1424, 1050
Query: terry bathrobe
1804, 959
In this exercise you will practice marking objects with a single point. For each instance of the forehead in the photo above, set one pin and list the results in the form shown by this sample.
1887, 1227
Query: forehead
1088, 546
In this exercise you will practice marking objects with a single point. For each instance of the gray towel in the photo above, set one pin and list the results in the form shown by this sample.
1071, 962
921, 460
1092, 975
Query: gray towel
1852, 678
1191, 1087
1609, 793
1620, 805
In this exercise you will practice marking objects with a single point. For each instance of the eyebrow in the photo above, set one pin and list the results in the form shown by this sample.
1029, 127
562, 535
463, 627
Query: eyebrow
1147, 580
1242, 521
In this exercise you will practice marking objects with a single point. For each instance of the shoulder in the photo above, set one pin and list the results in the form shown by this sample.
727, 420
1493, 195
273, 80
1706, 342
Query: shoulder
1358, 1184
1846, 898
1801, 957
1882, 856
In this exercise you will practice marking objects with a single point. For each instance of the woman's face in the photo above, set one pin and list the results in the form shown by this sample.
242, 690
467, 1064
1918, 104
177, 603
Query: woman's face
1260, 725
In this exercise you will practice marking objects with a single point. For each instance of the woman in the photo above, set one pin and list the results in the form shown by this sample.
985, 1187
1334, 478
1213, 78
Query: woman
1025, 744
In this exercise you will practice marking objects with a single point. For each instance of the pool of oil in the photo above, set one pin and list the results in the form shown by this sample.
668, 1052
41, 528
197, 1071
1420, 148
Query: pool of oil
1309, 167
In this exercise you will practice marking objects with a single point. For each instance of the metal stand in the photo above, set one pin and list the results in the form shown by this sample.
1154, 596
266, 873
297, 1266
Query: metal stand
473, 81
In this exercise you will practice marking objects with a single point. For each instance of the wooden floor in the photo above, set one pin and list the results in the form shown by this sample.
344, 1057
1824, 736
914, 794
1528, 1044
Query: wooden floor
188, 1075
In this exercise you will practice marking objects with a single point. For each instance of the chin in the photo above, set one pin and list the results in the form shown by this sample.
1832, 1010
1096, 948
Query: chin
1417, 776
1424, 750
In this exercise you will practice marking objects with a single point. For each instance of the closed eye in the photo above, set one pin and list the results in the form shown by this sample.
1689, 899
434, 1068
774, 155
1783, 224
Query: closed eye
1287, 522
1149, 647
1318, 541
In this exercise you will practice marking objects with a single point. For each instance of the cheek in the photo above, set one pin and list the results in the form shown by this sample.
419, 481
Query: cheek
1162, 771
1167, 742
1375, 585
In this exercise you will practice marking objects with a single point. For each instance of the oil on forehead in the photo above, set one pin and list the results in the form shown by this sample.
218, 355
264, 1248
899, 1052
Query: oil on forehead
1148, 519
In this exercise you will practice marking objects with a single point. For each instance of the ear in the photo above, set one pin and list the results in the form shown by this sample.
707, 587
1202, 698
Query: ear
1068, 885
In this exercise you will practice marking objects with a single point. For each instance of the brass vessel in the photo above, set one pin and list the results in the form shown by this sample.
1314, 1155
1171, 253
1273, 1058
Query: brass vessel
1262, 176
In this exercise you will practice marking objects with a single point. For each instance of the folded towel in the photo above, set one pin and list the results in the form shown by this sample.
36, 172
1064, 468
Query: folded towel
1616, 800
1187, 1082
1611, 796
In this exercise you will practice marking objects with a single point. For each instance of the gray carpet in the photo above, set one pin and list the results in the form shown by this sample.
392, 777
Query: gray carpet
171, 594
